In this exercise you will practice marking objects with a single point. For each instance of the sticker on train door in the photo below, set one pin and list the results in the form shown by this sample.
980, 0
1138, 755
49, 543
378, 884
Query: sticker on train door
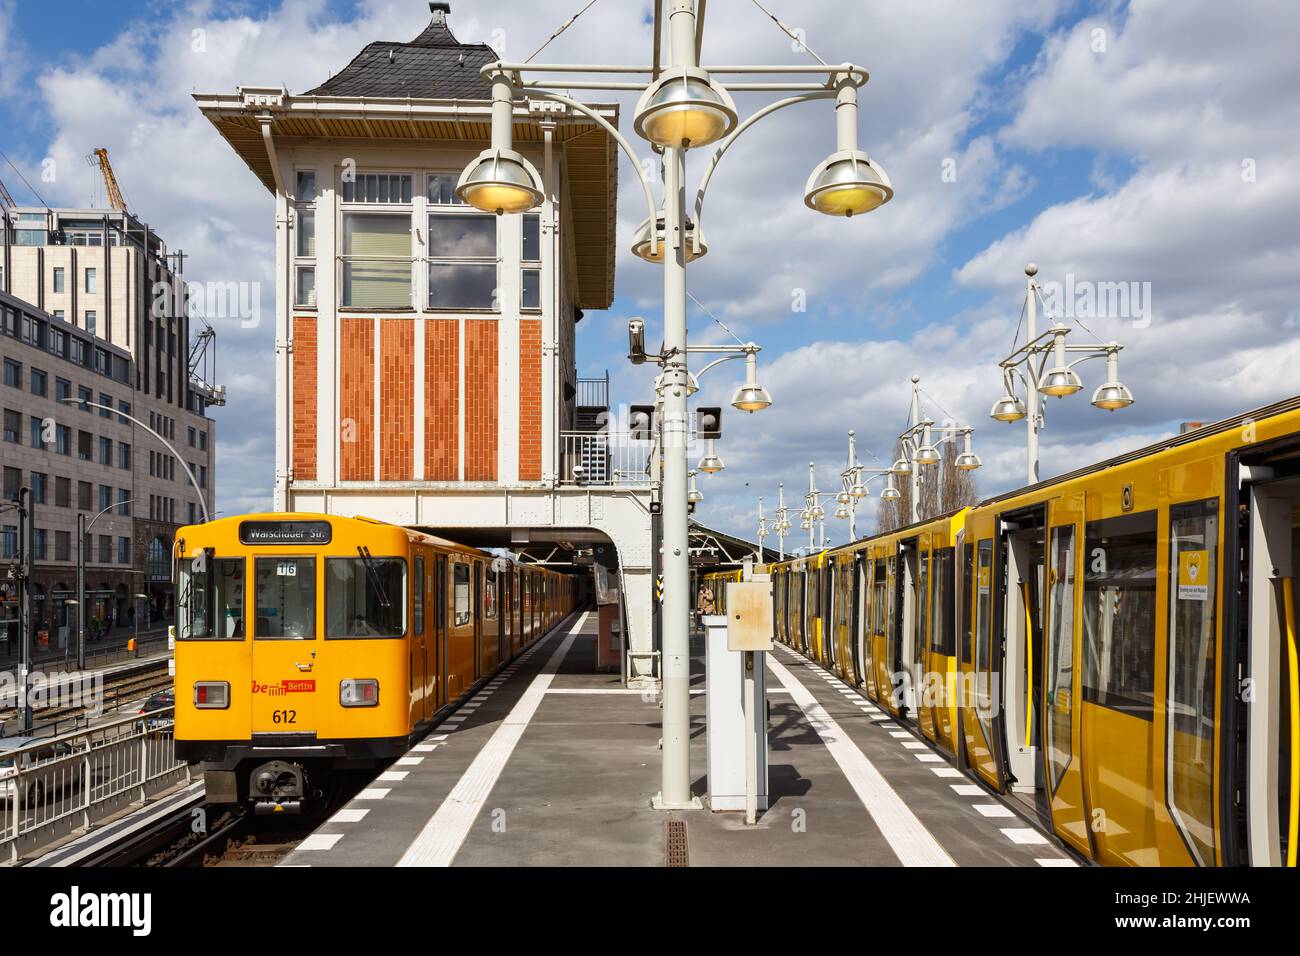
1193, 576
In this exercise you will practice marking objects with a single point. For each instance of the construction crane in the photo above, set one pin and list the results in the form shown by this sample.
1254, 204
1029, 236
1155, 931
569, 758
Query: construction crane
115, 198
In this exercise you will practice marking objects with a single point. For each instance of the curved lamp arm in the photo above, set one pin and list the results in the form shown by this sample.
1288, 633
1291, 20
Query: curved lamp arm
619, 138
731, 138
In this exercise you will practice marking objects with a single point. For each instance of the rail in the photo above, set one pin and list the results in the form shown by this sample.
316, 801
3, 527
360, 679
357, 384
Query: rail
593, 392
55, 785
604, 459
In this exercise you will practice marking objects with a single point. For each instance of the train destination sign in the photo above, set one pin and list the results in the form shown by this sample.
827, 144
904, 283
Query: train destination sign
284, 532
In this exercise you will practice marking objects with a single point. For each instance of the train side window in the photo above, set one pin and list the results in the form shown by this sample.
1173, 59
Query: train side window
490, 594
878, 599
1119, 613
983, 604
417, 610
1062, 588
284, 593
963, 602
1189, 761
460, 594
365, 597
941, 609
211, 602
891, 593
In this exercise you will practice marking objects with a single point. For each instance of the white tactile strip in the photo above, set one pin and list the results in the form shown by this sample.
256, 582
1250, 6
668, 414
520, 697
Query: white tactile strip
922, 751
322, 841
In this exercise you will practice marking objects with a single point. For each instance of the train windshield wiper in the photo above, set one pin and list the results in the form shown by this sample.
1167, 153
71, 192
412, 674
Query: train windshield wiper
373, 574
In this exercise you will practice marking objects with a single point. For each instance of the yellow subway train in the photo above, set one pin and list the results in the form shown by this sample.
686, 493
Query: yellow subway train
1115, 648
307, 644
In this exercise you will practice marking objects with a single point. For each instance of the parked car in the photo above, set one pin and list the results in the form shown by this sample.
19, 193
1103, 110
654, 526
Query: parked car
36, 787
162, 700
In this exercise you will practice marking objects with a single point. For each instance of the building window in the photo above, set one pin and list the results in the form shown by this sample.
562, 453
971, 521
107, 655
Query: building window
9, 541
37, 427
123, 550
40, 383
62, 492
203, 476
107, 402
124, 456
203, 441
124, 408
305, 286
124, 502
462, 261
62, 545
92, 283
106, 451
377, 188
105, 497
40, 486
85, 395
376, 261
442, 190
85, 495
306, 186
38, 544
13, 483
531, 258
13, 427
105, 549
306, 234
59, 281
85, 446
61, 315
13, 373
190, 435
62, 389
63, 439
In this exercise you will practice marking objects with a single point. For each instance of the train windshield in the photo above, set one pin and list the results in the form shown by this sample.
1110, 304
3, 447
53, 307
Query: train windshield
286, 598
210, 602
365, 597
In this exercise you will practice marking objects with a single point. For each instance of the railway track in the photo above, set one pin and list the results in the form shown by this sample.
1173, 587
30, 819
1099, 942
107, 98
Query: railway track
117, 690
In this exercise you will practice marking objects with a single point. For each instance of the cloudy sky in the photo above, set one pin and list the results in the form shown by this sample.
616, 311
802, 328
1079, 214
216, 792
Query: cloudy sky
1147, 143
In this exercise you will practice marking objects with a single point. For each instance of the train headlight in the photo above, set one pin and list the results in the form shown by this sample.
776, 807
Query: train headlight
211, 695
359, 693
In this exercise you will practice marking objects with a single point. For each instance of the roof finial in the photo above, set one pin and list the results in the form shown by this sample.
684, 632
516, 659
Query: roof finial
440, 11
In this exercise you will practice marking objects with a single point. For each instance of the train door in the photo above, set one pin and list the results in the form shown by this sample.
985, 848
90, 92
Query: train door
496, 591
286, 641
1273, 719
1121, 584
440, 612
890, 684
911, 623
941, 651
778, 605
1061, 729
830, 615
878, 686
983, 734
862, 618
419, 644
1021, 572
479, 612
854, 591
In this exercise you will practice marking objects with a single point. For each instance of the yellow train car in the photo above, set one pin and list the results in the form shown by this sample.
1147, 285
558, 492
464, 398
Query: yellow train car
1134, 659
1117, 646
308, 644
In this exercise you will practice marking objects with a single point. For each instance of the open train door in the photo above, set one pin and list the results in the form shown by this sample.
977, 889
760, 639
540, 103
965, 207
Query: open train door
1271, 487
1061, 730
1021, 554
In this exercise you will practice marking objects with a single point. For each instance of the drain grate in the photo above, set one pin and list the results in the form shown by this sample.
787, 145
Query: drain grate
676, 854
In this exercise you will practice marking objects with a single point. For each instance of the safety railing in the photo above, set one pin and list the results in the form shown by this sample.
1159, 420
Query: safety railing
593, 392
54, 785
604, 459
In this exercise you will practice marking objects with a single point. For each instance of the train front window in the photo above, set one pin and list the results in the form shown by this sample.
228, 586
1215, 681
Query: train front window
365, 597
210, 599
285, 596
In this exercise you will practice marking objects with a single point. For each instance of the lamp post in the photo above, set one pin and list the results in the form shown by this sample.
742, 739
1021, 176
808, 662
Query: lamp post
853, 481
762, 529
782, 527
1029, 364
920, 449
682, 106
83, 529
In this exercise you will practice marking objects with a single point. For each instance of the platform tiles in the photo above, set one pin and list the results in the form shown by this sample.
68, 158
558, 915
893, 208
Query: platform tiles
551, 764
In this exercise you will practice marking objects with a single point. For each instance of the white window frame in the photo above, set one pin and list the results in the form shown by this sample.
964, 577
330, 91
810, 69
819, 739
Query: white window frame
456, 208
341, 258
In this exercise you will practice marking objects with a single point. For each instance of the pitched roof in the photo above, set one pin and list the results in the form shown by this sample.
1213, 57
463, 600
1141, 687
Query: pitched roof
435, 65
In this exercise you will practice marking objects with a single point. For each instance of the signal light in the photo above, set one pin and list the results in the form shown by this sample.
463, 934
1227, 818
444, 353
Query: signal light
211, 695
359, 693
708, 422
641, 422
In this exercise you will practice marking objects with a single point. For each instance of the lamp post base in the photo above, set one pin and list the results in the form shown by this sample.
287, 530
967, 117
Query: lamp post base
657, 802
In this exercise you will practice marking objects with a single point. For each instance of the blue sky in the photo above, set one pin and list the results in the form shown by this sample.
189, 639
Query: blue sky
1109, 142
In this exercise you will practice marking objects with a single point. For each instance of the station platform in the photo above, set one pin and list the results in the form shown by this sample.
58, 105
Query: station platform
551, 764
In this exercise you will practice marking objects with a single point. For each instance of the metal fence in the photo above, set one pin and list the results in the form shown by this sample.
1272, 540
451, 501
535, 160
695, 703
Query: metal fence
603, 459
593, 392
55, 785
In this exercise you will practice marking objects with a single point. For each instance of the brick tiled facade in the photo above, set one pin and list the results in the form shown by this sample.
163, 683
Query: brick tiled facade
481, 400
441, 400
397, 400
304, 397
356, 399
530, 400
